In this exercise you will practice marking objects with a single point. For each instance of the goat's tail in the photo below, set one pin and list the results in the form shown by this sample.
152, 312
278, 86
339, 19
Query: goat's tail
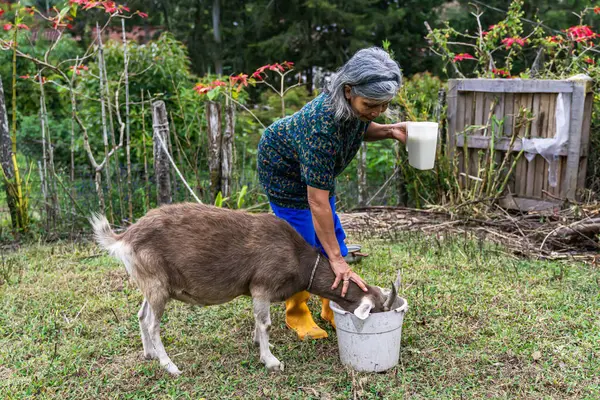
102, 232
108, 240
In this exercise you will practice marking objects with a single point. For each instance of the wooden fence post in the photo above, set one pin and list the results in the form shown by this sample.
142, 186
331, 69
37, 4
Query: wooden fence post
160, 125
227, 151
574, 147
213, 117
361, 171
5, 142
5, 157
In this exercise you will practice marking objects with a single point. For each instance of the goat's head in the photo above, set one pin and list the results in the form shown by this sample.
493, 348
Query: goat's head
377, 300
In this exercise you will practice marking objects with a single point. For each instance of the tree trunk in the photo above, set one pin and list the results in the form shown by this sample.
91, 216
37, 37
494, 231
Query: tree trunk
49, 170
362, 175
104, 125
213, 117
309, 80
5, 142
146, 176
127, 126
216, 19
44, 169
165, 11
160, 124
227, 151
6, 158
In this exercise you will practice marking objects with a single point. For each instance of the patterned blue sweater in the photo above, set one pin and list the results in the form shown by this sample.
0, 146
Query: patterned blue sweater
309, 148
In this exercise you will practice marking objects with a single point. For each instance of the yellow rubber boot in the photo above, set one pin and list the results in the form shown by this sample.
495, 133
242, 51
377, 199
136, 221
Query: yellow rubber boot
298, 317
326, 312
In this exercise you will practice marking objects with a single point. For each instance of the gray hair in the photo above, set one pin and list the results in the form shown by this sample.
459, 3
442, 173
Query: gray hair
371, 73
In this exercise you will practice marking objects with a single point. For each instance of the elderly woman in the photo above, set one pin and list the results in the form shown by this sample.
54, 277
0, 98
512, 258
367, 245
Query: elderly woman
300, 156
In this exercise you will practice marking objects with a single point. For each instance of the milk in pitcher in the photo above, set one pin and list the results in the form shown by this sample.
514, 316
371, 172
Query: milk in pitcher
421, 144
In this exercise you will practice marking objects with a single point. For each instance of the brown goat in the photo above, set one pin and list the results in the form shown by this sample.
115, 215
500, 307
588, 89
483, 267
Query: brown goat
205, 255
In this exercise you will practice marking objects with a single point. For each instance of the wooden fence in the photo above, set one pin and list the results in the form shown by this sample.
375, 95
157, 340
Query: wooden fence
472, 102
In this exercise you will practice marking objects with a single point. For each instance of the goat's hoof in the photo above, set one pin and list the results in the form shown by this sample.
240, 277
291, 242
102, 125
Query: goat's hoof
172, 369
274, 366
150, 355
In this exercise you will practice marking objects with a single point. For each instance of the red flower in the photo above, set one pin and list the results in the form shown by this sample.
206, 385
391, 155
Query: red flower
110, 7
275, 67
262, 69
597, 10
1, 12
554, 39
69, 26
125, 8
512, 40
463, 56
90, 4
581, 33
79, 2
256, 75
202, 89
242, 79
218, 83
589, 60
288, 64
22, 26
78, 69
7, 27
501, 73
24, 77
142, 14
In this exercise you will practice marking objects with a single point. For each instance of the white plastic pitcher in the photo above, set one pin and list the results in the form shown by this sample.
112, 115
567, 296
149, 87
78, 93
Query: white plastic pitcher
421, 144
373, 344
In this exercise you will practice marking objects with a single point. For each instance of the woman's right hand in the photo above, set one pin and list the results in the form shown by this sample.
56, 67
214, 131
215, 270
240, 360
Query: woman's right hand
344, 274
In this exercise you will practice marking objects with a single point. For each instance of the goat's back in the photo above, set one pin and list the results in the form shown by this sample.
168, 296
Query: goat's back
212, 254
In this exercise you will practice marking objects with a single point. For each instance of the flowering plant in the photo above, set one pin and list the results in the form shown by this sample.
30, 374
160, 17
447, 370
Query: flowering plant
231, 89
495, 50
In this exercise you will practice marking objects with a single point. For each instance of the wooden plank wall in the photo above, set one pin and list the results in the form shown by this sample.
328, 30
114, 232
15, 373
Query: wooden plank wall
472, 105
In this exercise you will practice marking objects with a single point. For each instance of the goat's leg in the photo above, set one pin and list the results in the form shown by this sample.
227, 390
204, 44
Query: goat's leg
149, 352
262, 316
156, 308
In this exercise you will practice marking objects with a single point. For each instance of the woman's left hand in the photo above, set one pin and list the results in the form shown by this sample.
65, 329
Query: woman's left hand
399, 131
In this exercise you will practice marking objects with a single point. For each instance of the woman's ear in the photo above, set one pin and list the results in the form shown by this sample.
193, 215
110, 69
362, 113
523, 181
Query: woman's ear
347, 92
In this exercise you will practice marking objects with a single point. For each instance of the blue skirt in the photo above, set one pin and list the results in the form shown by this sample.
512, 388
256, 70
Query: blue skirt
301, 221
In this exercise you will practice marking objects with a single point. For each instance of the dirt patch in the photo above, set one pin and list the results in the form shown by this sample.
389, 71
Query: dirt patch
116, 279
5, 373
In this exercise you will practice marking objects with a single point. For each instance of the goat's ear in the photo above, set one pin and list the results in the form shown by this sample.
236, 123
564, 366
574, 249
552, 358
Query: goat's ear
363, 310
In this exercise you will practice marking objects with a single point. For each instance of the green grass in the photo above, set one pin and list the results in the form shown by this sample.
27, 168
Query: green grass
480, 325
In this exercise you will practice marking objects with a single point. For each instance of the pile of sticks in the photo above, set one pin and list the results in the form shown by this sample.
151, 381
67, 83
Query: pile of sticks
568, 234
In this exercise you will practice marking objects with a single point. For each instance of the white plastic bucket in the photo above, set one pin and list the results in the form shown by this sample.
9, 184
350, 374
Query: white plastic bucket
373, 344
421, 144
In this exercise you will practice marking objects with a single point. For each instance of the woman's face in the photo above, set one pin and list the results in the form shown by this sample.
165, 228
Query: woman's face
364, 108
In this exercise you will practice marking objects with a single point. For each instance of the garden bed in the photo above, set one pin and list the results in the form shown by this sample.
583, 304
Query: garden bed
567, 234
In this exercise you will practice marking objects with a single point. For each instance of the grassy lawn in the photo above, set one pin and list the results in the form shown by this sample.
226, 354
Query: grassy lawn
480, 325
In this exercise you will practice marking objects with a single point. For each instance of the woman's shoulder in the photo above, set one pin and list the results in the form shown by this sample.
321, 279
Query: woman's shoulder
320, 108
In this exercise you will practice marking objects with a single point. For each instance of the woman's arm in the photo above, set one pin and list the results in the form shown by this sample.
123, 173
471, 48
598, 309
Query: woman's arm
377, 132
322, 214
